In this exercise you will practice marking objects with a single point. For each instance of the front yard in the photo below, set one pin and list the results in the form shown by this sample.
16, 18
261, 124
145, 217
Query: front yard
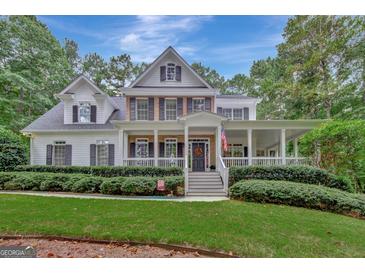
246, 229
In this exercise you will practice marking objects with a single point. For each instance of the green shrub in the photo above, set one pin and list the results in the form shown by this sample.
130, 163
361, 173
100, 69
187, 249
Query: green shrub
106, 171
300, 174
342, 149
112, 186
13, 186
87, 184
173, 182
301, 195
12, 150
139, 186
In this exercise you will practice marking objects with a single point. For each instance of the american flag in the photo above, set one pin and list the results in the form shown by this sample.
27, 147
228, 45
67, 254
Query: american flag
224, 140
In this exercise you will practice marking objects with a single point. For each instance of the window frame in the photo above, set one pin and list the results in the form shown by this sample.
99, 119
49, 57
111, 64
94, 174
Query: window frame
170, 65
81, 105
58, 144
170, 141
240, 118
231, 111
98, 144
137, 109
142, 141
170, 99
196, 99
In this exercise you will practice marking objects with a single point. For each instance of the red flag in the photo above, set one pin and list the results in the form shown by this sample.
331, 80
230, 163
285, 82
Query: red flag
224, 140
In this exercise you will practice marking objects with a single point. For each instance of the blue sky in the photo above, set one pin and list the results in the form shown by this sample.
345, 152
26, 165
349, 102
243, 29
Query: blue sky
228, 44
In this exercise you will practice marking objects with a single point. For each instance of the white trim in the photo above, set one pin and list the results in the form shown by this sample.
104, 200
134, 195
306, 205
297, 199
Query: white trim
136, 108
166, 99
206, 142
166, 156
144, 140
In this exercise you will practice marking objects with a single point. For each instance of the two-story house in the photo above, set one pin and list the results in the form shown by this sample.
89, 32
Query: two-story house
169, 116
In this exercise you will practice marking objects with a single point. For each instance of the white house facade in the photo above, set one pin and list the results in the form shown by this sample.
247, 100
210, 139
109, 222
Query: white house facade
169, 116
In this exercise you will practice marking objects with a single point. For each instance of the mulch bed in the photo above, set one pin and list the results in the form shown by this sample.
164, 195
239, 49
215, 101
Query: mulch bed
62, 247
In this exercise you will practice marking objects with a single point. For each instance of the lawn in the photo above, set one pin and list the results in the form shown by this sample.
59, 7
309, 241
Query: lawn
246, 229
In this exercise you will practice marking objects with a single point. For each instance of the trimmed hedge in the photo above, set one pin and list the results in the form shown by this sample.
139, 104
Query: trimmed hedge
301, 195
85, 183
106, 171
300, 174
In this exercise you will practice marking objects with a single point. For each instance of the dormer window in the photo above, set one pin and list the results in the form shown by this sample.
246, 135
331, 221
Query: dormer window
171, 72
85, 113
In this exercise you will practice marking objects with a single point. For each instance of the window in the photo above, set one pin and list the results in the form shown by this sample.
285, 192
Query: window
59, 153
170, 148
142, 109
260, 153
170, 109
234, 150
198, 104
272, 153
237, 114
142, 148
102, 153
170, 72
227, 112
85, 113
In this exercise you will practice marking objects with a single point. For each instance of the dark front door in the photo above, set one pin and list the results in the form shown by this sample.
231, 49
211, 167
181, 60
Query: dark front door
198, 151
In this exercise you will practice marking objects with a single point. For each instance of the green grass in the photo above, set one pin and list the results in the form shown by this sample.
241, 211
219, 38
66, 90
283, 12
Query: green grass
246, 229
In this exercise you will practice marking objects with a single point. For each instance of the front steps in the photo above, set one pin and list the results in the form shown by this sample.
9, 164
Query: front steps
205, 184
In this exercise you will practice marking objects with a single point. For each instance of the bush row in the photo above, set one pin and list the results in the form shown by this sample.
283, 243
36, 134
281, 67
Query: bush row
301, 195
300, 174
43, 181
106, 171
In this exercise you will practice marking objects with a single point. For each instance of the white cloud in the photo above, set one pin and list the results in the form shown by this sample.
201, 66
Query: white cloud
148, 36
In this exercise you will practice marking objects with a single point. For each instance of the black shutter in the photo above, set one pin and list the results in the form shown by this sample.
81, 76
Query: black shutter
178, 73
93, 114
111, 154
179, 107
49, 155
162, 73
68, 155
220, 111
132, 108
162, 149
132, 150
150, 150
180, 149
75, 114
245, 151
92, 155
162, 109
151, 108
208, 101
246, 115
190, 105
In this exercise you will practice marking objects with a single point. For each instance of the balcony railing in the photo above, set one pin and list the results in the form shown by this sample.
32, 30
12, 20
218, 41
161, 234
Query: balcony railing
265, 161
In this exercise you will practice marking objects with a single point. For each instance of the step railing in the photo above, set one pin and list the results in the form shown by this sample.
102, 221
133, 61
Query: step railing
223, 172
186, 174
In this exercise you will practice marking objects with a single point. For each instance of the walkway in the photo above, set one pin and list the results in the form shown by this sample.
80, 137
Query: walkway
115, 197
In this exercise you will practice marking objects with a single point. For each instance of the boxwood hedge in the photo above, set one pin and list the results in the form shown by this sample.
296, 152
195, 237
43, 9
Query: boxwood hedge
105, 171
301, 195
46, 181
300, 174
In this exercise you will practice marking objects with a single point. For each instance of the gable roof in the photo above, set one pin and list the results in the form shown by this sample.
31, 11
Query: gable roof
171, 50
200, 114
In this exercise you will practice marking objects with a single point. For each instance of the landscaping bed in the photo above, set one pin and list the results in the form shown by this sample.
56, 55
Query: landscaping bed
84, 183
298, 194
300, 174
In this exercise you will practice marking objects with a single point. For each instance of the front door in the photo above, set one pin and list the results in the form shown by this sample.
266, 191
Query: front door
198, 151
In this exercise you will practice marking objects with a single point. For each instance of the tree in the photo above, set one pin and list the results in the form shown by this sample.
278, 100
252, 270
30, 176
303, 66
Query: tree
240, 84
33, 66
12, 150
72, 54
120, 72
212, 77
95, 68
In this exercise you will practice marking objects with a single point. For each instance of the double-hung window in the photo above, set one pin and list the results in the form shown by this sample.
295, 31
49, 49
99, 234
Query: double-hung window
171, 72
85, 113
198, 104
142, 109
142, 148
237, 114
59, 153
227, 112
170, 148
170, 109
102, 153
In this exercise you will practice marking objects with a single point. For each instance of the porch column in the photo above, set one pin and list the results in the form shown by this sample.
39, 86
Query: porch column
249, 146
219, 141
295, 143
283, 146
155, 146
186, 143
121, 146
125, 146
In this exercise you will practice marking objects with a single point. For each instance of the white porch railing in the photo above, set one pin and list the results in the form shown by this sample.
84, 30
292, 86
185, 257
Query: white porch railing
139, 162
235, 161
170, 162
265, 161
223, 171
